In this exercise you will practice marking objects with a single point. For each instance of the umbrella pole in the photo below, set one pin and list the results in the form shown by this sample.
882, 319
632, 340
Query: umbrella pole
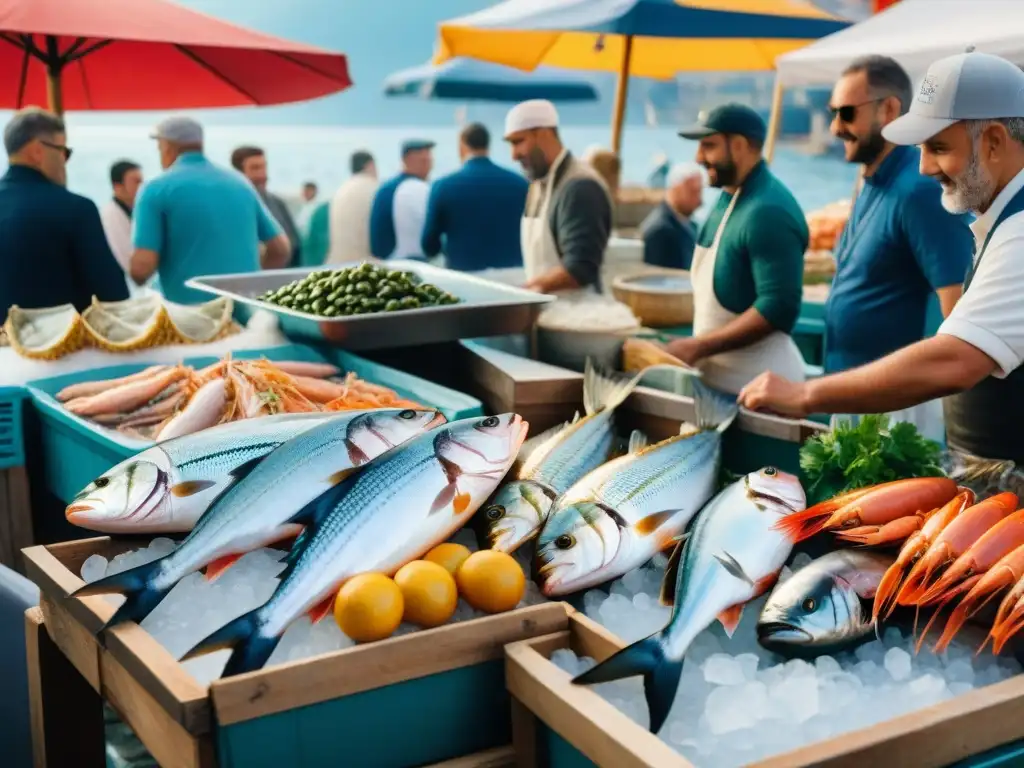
621, 92
54, 94
774, 120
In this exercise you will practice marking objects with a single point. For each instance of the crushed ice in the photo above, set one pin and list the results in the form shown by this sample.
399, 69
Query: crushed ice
197, 607
738, 703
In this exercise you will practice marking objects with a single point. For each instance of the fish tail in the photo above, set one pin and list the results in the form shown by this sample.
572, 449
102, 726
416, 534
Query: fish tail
605, 391
714, 410
802, 525
141, 597
249, 649
646, 657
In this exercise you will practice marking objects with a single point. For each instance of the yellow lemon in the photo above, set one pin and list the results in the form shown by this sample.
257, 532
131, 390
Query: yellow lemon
428, 591
369, 607
449, 556
491, 581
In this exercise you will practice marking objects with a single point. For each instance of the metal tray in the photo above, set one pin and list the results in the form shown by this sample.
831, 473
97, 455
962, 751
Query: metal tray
486, 309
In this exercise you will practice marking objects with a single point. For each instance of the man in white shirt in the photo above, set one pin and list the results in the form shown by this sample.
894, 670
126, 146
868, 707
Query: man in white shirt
968, 117
400, 207
116, 215
349, 229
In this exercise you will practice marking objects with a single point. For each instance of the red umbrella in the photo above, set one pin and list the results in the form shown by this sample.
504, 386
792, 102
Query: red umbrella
150, 54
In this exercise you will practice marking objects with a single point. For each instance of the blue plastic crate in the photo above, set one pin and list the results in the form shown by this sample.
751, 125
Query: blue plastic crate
12, 441
75, 451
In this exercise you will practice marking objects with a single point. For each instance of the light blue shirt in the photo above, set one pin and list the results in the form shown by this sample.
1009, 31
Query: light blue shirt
202, 220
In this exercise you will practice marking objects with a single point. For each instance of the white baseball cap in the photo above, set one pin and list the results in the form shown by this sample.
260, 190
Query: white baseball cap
535, 113
968, 86
681, 172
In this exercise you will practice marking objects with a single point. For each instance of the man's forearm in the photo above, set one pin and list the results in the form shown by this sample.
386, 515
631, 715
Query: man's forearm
936, 367
557, 279
749, 328
142, 266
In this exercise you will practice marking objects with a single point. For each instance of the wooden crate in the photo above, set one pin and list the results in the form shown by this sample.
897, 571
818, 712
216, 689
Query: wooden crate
15, 516
433, 696
560, 725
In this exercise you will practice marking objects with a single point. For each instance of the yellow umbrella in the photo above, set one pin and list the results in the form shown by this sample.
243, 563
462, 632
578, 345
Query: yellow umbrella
646, 38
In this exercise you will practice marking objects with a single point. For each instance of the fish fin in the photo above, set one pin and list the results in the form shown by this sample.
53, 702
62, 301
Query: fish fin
215, 569
249, 650
733, 567
444, 498
461, 503
674, 541
714, 410
605, 391
243, 470
798, 526
191, 488
136, 585
638, 440
314, 513
668, 584
341, 475
730, 618
763, 585
648, 525
320, 611
356, 454
647, 657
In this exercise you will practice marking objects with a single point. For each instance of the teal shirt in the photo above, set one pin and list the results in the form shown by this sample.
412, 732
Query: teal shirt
760, 260
317, 242
202, 220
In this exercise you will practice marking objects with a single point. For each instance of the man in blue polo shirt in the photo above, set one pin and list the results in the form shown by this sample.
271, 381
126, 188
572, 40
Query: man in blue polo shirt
199, 219
476, 210
899, 245
400, 206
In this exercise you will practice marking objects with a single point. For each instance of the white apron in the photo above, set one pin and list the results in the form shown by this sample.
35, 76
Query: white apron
731, 371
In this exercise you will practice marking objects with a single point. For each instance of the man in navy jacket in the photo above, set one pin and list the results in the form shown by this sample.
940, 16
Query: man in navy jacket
474, 214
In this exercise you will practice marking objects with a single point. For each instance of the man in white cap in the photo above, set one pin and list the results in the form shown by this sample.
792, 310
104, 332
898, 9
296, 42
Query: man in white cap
968, 117
199, 219
668, 232
568, 216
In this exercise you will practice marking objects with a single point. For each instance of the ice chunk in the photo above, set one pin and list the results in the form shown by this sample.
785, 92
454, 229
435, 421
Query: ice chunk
897, 664
94, 567
565, 659
958, 689
927, 689
827, 666
726, 712
634, 582
722, 669
796, 697
960, 671
748, 663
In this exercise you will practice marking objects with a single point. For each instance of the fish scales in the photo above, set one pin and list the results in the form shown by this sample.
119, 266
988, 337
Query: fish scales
659, 466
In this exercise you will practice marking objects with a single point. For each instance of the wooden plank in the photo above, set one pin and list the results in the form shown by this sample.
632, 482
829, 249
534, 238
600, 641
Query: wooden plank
75, 641
580, 716
499, 757
170, 744
66, 713
8, 550
19, 509
371, 666
524, 736
591, 639
43, 566
163, 677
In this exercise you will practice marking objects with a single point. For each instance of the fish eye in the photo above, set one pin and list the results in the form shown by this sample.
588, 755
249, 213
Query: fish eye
770, 471
495, 512
408, 413
808, 604
102, 482
565, 541
490, 421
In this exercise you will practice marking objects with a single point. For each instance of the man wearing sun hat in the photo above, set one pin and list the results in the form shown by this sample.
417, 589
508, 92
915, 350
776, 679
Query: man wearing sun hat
968, 117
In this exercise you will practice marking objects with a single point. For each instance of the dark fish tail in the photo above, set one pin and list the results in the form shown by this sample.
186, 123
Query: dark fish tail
136, 584
646, 657
249, 649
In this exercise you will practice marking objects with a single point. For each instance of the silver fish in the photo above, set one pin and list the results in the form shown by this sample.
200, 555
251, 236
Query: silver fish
407, 501
617, 517
270, 504
551, 462
825, 607
733, 554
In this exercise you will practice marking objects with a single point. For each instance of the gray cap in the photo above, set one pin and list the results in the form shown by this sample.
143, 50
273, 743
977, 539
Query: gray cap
968, 86
180, 130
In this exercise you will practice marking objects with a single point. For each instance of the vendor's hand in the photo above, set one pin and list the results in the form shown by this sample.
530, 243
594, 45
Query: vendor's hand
534, 285
771, 392
689, 349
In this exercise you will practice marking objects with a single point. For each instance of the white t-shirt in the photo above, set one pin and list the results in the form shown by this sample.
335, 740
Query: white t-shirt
410, 214
350, 220
989, 316
117, 226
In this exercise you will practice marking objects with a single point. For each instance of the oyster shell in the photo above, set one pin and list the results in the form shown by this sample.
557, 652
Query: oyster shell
123, 326
201, 323
45, 334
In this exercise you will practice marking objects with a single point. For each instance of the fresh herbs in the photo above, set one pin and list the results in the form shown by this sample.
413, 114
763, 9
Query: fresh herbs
867, 453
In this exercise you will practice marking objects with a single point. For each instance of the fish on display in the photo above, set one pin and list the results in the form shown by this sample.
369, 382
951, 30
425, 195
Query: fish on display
165, 489
552, 462
825, 607
268, 505
733, 554
620, 515
409, 500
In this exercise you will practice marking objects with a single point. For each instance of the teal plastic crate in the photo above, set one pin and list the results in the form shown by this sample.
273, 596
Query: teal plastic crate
75, 451
12, 439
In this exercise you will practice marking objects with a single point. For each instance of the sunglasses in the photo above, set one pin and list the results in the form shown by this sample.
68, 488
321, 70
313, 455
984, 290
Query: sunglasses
59, 147
848, 112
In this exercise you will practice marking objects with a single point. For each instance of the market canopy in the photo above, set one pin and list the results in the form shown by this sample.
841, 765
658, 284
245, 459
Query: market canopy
150, 54
671, 36
915, 33
469, 79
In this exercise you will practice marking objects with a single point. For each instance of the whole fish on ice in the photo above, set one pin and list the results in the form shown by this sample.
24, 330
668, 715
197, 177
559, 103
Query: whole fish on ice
270, 505
825, 607
619, 516
733, 554
552, 462
407, 501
